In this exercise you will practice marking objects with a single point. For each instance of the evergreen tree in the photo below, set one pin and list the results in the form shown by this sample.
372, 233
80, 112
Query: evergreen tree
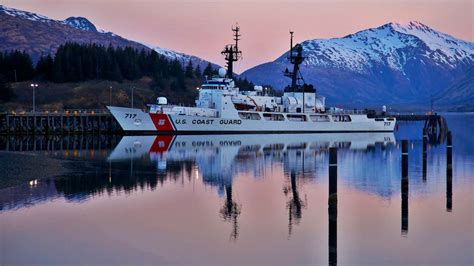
197, 71
6, 92
244, 84
189, 70
16, 65
44, 68
208, 71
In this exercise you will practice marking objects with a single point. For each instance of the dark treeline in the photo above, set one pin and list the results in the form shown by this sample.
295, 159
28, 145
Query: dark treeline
16, 66
75, 62
80, 62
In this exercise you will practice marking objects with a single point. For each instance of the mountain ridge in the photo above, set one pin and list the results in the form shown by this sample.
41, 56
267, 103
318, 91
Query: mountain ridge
392, 63
19, 28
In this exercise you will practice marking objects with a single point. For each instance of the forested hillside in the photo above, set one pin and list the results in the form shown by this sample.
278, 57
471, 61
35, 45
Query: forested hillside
83, 63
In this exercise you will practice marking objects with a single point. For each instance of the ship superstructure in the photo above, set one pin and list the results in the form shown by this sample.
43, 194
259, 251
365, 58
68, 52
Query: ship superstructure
221, 107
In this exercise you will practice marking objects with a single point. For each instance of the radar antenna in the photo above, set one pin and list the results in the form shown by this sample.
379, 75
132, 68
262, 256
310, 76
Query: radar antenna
232, 53
296, 60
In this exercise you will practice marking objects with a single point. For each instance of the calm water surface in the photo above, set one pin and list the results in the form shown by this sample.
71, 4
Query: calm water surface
236, 199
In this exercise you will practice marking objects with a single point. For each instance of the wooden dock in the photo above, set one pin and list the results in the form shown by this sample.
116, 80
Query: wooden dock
412, 117
67, 144
58, 122
433, 122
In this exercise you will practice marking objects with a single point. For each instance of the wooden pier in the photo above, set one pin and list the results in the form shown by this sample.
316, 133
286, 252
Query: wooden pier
68, 144
59, 122
434, 123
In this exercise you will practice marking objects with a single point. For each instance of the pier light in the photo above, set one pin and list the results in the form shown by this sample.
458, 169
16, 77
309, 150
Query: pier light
196, 173
34, 86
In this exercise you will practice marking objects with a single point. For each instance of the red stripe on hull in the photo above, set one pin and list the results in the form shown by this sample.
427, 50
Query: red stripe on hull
162, 122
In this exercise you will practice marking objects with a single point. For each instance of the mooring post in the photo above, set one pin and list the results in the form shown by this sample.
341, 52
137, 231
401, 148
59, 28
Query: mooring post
332, 206
404, 187
47, 124
449, 172
100, 123
34, 122
8, 125
425, 146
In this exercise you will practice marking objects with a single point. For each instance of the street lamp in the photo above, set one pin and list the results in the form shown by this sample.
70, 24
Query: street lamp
132, 96
34, 86
110, 95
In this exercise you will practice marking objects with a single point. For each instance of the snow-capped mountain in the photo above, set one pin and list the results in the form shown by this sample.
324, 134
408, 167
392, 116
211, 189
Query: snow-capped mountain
81, 23
23, 14
361, 51
460, 94
391, 63
38, 34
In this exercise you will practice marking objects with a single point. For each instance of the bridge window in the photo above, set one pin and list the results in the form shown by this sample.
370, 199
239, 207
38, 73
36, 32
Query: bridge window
249, 116
319, 118
298, 118
273, 117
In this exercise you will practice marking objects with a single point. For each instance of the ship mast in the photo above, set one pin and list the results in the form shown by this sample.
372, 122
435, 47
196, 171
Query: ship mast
232, 52
296, 60
295, 75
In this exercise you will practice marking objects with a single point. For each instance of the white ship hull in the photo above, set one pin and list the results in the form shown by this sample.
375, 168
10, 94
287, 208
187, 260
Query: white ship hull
137, 121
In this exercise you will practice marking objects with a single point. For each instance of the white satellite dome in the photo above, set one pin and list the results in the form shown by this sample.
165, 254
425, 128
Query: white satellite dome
222, 72
162, 100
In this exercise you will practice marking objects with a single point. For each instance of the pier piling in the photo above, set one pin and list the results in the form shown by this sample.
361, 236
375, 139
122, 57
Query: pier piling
332, 207
425, 146
404, 188
449, 172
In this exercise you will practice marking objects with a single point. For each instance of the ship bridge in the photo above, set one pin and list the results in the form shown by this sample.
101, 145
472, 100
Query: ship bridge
218, 84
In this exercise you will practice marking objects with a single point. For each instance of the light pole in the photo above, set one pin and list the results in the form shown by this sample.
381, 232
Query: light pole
132, 96
34, 86
110, 95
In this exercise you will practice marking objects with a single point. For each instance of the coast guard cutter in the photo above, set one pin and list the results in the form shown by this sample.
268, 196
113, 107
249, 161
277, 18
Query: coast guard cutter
222, 108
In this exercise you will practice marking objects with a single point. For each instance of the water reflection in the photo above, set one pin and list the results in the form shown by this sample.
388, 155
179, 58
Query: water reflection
264, 198
214, 159
295, 204
218, 159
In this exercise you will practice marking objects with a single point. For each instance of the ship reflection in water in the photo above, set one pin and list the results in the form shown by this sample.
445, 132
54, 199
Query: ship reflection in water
242, 199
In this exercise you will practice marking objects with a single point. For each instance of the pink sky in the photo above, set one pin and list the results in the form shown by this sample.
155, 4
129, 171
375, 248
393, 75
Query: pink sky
202, 28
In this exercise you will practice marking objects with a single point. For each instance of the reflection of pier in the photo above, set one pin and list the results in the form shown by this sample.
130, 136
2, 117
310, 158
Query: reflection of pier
75, 143
449, 173
332, 208
404, 188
